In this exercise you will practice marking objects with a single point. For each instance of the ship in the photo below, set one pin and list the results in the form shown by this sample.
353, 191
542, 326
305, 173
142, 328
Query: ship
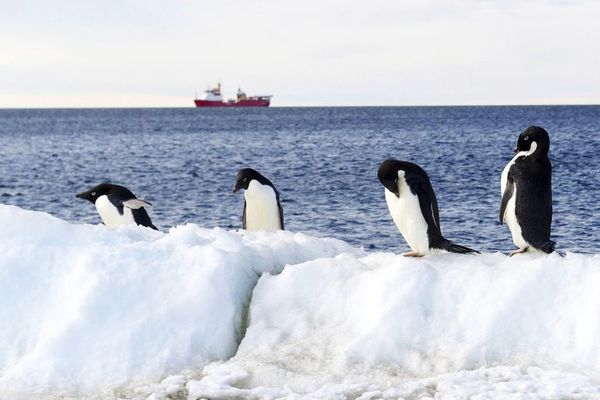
214, 98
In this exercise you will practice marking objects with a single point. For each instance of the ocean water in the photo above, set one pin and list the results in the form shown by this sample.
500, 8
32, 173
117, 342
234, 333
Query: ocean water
323, 161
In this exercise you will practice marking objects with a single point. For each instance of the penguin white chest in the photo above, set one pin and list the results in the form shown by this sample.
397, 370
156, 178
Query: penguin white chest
407, 215
262, 212
110, 215
510, 217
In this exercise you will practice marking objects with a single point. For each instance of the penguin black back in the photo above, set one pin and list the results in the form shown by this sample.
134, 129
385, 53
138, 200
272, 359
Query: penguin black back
529, 180
120, 197
419, 184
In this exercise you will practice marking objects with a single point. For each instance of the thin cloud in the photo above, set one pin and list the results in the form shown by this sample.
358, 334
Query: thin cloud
160, 53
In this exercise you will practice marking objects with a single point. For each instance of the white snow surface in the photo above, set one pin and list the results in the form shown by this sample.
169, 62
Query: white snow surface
86, 307
443, 326
89, 311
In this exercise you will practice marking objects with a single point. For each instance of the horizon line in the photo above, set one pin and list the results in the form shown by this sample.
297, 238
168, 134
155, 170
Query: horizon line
307, 106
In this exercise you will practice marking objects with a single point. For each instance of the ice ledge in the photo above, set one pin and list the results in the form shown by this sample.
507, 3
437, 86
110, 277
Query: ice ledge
85, 308
387, 319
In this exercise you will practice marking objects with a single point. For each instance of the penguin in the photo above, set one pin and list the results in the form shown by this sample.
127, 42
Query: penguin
526, 189
414, 209
262, 209
116, 205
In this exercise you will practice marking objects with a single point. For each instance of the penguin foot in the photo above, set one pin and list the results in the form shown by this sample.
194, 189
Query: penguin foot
518, 251
412, 254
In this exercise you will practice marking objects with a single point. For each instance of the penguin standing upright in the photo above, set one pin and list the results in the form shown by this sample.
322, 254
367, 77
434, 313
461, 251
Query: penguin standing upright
526, 187
262, 209
412, 203
116, 205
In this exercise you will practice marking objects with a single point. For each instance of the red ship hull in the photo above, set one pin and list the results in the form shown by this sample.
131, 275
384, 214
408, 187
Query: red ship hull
241, 103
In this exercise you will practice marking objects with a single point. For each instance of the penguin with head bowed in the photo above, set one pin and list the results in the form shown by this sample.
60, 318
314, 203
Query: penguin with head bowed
526, 187
262, 209
414, 209
116, 205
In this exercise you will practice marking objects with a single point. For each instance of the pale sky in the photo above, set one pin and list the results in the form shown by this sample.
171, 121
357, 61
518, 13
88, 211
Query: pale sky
127, 53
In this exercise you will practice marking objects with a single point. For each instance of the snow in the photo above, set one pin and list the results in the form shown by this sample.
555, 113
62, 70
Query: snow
89, 311
493, 383
85, 307
394, 326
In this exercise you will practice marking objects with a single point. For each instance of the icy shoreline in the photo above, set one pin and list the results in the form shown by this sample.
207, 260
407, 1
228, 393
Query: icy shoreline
88, 310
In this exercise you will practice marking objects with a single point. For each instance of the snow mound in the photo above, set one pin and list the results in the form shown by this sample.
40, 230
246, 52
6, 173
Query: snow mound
90, 311
355, 325
85, 307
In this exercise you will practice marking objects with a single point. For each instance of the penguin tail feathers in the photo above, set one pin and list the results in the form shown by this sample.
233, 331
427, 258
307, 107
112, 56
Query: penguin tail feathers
548, 247
457, 248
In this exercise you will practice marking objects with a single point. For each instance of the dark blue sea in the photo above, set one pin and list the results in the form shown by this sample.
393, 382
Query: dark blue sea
323, 161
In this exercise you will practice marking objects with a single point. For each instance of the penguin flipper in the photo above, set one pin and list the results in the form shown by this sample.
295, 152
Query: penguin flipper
135, 204
457, 248
244, 216
280, 214
141, 217
421, 186
508, 194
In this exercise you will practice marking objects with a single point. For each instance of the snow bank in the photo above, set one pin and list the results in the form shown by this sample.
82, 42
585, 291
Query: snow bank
382, 323
84, 307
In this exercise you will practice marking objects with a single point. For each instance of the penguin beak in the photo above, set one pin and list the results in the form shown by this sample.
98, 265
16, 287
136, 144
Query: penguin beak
392, 187
84, 195
237, 186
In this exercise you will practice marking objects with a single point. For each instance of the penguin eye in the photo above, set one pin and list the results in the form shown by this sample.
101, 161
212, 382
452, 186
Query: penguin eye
245, 179
526, 138
93, 193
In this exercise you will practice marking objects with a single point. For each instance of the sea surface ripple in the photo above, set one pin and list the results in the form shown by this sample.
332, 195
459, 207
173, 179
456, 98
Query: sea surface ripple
323, 161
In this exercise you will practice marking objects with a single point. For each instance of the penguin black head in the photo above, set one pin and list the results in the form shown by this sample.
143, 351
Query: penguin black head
247, 175
97, 191
537, 135
388, 173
